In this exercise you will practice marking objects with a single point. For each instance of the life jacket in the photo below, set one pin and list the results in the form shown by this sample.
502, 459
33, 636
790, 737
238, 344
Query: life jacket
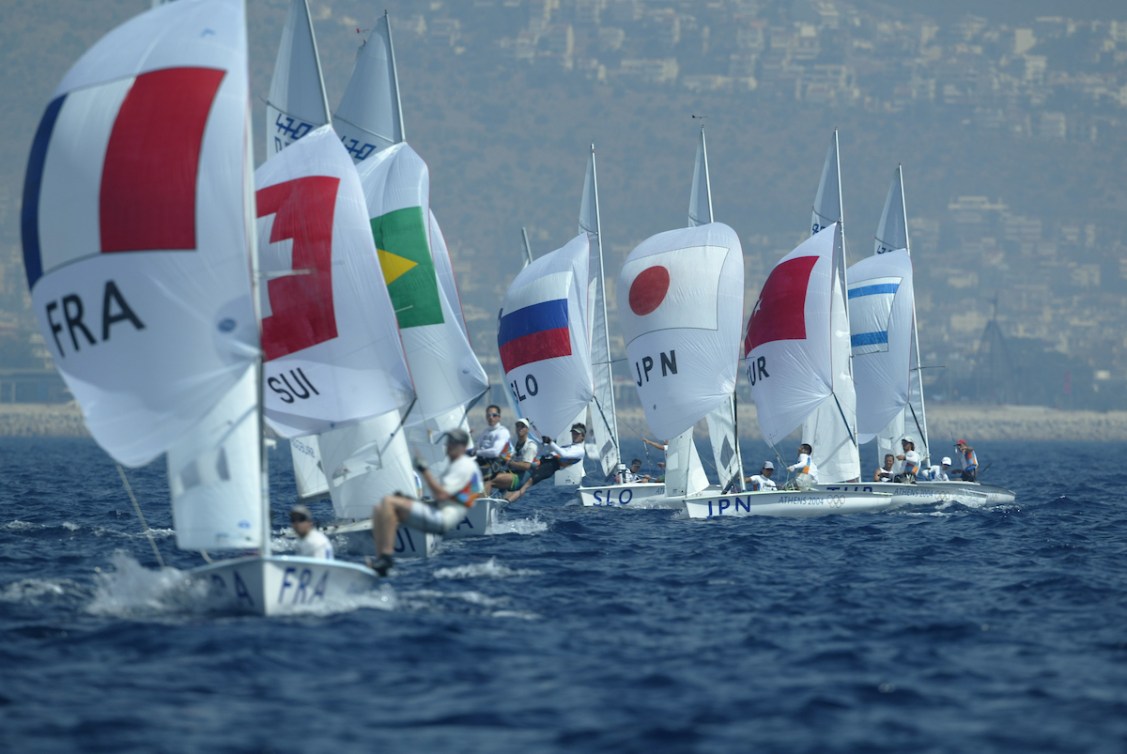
970, 459
471, 491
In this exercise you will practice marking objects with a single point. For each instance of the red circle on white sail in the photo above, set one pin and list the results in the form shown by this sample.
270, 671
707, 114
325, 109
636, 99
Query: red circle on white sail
648, 290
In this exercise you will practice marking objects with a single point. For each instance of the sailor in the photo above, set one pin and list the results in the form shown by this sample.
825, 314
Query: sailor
940, 473
884, 473
555, 458
634, 474
453, 485
521, 460
910, 461
805, 464
968, 461
492, 445
311, 541
763, 481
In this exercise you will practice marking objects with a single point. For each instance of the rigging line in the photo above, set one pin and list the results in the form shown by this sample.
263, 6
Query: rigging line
140, 515
844, 421
923, 435
403, 419
606, 424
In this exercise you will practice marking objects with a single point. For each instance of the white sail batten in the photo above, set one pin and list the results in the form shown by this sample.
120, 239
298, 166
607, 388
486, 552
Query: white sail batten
543, 338
297, 104
682, 295
831, 429
134, 226
329, 336
370, 117
445, 370
722, 430
603, 425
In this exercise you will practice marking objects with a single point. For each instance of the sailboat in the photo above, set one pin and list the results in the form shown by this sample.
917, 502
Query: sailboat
886, 361
139, 234
793, 355
543, 339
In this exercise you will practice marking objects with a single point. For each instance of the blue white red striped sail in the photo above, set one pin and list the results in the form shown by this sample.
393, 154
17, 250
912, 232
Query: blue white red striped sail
535, 332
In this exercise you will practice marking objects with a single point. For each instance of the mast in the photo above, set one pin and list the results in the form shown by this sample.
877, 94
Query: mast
527, 246
249, 201
921, 420
326, 113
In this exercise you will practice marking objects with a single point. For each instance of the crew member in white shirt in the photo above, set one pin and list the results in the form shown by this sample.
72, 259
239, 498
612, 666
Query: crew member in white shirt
492, 446
763, 481
805, 463
521, 462
555, 457
452, 485
940, 473
910, 461
311, 541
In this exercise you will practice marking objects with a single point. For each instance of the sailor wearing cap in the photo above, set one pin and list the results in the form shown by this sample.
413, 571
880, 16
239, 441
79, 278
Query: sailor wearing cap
763, 480
555, 457
452, 485
520, 462
311, 541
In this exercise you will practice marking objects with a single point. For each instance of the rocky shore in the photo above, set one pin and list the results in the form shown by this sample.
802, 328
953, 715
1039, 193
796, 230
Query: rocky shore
945, 422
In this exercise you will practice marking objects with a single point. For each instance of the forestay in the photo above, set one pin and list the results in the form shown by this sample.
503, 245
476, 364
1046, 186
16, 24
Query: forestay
297, 103
446, 372
328, 330
369, 117
135, 245
682, 296
542, 338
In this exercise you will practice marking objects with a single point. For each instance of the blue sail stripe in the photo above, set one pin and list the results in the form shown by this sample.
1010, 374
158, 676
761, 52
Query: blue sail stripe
29, 221
868, 338
873, 290
547, 315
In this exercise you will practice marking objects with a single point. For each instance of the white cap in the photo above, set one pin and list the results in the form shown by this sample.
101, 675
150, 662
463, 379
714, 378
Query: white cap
523, 421
946, 460
768, 465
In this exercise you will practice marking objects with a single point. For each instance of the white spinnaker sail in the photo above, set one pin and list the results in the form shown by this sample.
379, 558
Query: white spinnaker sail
722, 433
135, 235
880, 319
134, 226
682, 299
365, 461
445, 272
329, 336
603, 425
831, 429
297, 103
369, 117
787, 345
446, 373
542, 338
892, 235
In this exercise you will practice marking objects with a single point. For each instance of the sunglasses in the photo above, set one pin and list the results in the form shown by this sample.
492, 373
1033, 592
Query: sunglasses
492, 414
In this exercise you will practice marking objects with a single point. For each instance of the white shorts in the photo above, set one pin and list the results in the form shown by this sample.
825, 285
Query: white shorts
436, 520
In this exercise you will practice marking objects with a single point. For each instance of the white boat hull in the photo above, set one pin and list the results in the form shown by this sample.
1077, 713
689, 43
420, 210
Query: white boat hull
282, 584
786, 503
355, 537
993, 493
911, 494
621, 495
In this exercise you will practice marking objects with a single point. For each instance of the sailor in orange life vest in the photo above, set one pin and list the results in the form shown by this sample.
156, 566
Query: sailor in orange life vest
805, 464
557, 457
453, 485
968, 461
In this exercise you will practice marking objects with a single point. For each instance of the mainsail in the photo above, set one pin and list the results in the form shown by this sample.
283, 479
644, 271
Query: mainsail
831, 428
603, 425
543, 338
135, 240
369, 117
296, 105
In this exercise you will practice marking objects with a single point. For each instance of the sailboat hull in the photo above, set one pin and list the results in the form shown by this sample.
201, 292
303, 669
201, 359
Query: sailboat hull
786, 503
913, 494
354, 538
621, 495
282, 584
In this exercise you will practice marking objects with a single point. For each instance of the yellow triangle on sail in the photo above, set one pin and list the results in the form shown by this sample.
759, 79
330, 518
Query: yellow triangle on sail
394, 266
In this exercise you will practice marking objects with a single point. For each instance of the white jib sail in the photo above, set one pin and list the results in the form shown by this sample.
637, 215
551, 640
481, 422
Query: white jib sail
329, 338
892, 235
297, 103
603, 425
831, 429
682, 296
787, 345
369, 117
134, 226
446, 373
722, 432
365, 461
308, 472
542, 339
880, 319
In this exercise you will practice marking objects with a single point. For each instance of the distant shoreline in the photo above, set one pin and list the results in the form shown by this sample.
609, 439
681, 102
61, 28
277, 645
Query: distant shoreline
945, 422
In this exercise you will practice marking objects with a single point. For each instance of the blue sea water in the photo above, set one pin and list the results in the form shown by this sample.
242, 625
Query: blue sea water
935, 629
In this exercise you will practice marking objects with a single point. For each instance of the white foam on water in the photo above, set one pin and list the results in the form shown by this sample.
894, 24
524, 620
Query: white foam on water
35, 590
18, 525
518, 526
489, 569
